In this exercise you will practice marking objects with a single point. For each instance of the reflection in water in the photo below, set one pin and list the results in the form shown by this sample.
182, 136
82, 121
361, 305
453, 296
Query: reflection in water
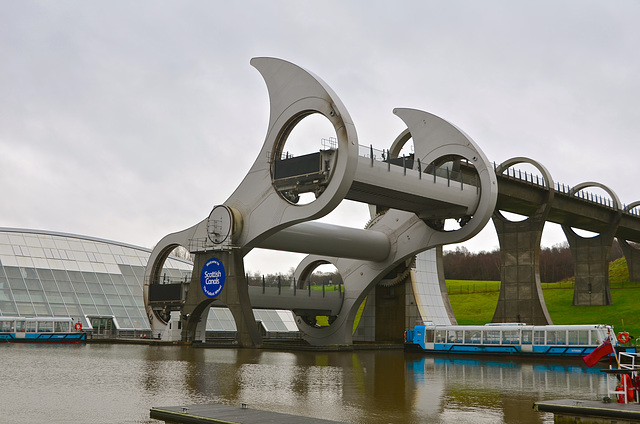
507, 388
120, 383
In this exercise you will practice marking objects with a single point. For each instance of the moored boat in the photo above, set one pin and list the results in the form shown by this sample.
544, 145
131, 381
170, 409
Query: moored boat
512, 339
41, 330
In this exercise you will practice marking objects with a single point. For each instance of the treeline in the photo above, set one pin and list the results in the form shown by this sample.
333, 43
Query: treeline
556, 263
286, 280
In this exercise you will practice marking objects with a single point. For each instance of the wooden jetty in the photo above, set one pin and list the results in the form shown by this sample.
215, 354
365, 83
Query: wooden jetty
587, 411
225, 414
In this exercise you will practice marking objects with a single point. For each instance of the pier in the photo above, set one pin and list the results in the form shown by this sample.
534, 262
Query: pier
586, 411
216, 413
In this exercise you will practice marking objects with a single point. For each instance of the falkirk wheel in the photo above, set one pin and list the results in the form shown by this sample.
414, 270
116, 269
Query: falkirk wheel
413, 198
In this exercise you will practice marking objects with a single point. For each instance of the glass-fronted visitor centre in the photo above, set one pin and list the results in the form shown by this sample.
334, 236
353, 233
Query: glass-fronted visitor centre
96, 282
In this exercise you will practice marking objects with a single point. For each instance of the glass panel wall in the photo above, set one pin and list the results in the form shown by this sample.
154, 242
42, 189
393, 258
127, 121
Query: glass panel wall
69, 287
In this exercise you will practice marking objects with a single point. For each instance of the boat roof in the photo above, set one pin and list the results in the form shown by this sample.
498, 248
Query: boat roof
5, 318
516, 326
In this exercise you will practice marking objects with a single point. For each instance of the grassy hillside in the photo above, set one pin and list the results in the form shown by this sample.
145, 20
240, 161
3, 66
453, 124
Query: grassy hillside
474, 302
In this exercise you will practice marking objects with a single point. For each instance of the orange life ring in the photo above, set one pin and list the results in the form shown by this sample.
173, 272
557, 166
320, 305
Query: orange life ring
78, 326
623, 337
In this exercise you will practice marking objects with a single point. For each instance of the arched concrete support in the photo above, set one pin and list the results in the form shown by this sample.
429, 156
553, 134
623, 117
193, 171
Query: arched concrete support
591, 257
631, 253
521, 298
234, 295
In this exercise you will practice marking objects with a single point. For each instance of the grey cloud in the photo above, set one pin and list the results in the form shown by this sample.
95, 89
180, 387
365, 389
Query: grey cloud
131, 120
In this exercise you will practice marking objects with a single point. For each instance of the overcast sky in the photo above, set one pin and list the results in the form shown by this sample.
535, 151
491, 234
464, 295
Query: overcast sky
131, 120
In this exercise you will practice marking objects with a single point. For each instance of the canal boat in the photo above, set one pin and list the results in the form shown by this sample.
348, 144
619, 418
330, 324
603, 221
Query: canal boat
512, 339
41, 330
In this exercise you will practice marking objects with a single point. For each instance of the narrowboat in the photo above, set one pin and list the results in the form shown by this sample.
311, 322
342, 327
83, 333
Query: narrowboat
41, 330
513, 339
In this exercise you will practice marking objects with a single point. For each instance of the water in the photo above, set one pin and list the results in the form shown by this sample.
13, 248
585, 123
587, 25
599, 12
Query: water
120, 383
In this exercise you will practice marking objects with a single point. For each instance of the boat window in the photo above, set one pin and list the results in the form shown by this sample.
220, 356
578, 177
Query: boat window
441, 336
428, 336
527, 337
596, 337
583, 337
45, 326
473, 336
538, 337
578, 337
62, 327
572, 337
6, 326
492, 337
510, 337
557, 337
455, 336
30, 327
19, 326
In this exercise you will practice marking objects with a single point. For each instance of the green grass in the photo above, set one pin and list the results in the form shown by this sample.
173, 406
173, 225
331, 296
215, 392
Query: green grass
474, 309
478, 308
474, 302
468, 286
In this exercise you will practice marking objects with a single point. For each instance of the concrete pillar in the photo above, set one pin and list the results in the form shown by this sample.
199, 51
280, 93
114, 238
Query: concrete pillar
234, 294
591, 257
520, 298
390, 313
632, 255
591, 268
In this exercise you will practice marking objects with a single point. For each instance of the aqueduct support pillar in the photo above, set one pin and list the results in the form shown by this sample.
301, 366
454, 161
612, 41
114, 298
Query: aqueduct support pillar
591, 257
591, 268
521, 298
631, 253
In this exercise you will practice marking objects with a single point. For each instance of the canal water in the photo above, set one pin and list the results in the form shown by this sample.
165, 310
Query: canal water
102, 383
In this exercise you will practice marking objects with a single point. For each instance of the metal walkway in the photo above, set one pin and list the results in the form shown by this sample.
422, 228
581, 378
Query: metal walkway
216, 413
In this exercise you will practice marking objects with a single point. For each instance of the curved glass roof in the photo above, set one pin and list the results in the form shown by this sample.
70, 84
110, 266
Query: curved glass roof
56, 274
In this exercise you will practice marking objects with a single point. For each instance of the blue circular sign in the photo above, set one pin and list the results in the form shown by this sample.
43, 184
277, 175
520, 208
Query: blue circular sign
212, 277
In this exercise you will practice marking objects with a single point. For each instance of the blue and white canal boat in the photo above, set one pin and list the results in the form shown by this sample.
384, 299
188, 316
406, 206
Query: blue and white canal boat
512, 339
41, 330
